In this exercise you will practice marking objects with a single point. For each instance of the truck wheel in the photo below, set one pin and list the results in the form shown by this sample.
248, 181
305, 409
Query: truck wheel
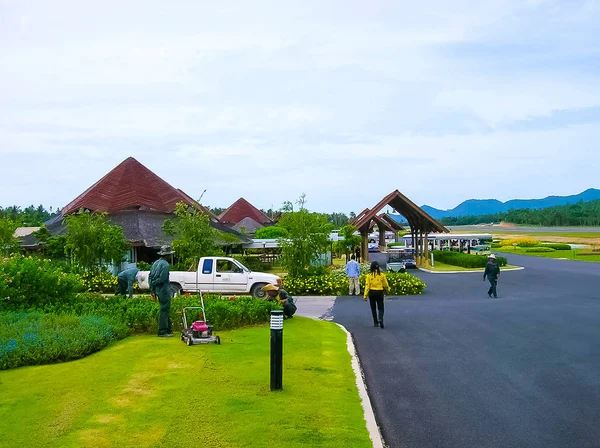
175, 289
257, 291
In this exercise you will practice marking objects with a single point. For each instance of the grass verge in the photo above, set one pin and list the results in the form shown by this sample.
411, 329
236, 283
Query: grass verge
146, 391
568, 254
443, 267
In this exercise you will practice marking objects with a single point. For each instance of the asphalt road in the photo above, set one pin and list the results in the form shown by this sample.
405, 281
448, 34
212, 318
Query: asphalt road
453, 368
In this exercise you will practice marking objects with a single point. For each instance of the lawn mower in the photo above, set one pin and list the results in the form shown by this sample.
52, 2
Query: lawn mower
199, 332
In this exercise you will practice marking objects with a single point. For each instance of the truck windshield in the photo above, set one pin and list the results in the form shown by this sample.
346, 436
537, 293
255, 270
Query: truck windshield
244, 268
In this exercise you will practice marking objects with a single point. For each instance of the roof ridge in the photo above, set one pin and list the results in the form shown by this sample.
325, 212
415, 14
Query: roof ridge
129, 185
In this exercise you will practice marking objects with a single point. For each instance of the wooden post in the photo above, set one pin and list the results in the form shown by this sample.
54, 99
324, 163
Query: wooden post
421, 247
427, 258
382, 244
364, 250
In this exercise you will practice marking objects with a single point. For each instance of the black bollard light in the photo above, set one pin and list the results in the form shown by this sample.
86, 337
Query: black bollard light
276, 349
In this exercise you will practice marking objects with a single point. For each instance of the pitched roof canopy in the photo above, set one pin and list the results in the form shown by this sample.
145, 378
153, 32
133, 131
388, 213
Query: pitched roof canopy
128, 186
241, 209
417, 218
391, 222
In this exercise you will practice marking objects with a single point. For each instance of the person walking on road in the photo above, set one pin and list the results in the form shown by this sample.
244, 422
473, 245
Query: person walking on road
158, 280
492, 273
376, 284
353, 273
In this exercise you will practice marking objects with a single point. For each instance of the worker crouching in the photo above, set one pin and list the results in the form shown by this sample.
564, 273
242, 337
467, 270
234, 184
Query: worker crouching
283, 297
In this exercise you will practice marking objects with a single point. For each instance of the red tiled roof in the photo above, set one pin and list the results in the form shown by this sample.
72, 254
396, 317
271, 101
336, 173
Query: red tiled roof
129, 185
241, 209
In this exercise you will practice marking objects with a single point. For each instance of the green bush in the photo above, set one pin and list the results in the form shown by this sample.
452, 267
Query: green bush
395, 245
143, 266
558, 246
140, 313
464, 260
37, 338
31, 281
540, 249
335, 283
225, 313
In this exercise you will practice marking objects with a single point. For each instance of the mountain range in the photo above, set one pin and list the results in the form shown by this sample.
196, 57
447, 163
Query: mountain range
477, 207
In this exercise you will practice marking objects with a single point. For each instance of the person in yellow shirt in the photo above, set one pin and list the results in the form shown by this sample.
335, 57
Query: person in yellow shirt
376, 284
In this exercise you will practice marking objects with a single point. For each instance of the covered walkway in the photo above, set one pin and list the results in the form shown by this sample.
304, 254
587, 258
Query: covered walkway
421, 224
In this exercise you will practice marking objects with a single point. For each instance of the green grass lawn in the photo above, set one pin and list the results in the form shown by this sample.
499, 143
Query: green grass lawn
568, 254
443, 267
533, 233
150, 392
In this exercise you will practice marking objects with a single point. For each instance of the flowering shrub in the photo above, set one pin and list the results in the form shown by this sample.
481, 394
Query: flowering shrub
521, 242
37, 338
29, 281
102, 281
336, 283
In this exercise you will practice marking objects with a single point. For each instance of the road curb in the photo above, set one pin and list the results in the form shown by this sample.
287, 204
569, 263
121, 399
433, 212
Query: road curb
466, 272
372, 426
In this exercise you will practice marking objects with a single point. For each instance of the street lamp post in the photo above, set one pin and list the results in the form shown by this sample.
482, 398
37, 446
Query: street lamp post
276, 349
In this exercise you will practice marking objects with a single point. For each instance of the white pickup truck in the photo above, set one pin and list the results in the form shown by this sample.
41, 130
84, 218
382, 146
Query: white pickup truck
218, 274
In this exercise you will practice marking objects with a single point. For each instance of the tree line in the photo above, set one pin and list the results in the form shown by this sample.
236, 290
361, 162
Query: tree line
31, 216
578, 214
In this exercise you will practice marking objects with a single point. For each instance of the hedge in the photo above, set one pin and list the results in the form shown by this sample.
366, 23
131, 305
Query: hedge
464, 260
140, 313
558, 246
36, 338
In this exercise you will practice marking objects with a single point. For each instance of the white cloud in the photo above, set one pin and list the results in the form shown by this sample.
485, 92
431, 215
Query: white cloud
345, 101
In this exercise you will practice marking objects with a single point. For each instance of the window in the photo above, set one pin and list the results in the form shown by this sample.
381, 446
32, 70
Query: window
227, 266
207, 267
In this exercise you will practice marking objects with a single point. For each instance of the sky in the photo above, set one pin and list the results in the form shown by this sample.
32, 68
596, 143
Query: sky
344, 101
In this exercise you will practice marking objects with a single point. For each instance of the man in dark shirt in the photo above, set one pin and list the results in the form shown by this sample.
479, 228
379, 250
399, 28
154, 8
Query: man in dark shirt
492, 272
283, 297
158, 279
125, 281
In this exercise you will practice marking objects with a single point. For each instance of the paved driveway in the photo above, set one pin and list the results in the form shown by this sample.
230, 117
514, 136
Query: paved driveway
454, 368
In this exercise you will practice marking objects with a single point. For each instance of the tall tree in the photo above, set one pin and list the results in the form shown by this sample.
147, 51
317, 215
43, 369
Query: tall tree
8, 243
338, 219
194, 236
307, 240
271, 232
93, 242
349, 241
